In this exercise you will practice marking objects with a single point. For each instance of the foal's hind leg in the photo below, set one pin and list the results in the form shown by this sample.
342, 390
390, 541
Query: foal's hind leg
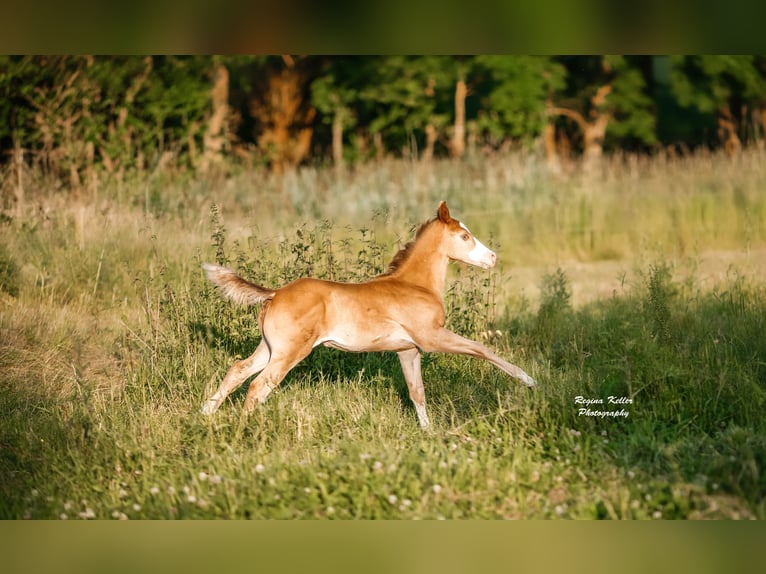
410, 360
279, 365
238, 374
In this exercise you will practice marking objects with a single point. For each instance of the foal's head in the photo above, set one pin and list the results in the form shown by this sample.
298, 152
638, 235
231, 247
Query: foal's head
460, 244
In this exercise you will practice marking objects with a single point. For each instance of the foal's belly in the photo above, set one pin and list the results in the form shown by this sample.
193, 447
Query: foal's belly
368, 338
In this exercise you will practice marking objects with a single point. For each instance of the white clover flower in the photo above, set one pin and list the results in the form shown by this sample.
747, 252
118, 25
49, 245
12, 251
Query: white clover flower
63, 516
154, 490
203, 476
259, 468
437, 488
392, 498
136, 507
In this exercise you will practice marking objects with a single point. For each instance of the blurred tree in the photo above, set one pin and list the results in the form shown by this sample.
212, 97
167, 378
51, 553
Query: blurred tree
724, 89
607, 99
335, 93
514, 93
280, 103
408, 100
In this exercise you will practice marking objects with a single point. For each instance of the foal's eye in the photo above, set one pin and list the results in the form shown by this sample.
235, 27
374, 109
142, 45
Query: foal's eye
465, 237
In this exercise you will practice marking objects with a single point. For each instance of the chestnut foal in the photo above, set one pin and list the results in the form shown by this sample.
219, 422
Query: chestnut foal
401, 310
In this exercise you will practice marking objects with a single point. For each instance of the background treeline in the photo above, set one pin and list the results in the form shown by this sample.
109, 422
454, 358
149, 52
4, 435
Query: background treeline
78, 116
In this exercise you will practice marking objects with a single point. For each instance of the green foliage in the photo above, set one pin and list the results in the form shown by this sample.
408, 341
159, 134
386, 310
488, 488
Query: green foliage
517, 89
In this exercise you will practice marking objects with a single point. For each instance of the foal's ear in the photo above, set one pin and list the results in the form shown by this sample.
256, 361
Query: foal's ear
443, 212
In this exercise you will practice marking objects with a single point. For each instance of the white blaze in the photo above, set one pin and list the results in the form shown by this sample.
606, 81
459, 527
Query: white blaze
480, 254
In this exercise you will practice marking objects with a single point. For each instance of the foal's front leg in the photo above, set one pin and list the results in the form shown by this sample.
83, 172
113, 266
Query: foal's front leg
445, 341
410, 360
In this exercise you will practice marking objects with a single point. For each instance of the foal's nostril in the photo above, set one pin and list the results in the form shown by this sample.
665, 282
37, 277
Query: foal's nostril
493, 257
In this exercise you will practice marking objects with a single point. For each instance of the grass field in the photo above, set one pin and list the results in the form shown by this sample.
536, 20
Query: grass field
646, 284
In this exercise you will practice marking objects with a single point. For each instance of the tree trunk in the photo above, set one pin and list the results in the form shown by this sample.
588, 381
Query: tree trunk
727, 131
337, 140
457, 145
380, 150
215, 136
282, 109
593, 131
428, 152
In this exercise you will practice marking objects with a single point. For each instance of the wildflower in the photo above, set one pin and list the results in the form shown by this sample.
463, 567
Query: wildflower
203, 476
216, 479
68, 505
392, 498
631, 474
186, 489
171, 490
123, 493
307, 490
191, 498
406, 502
329, 510
657, 515
437, 488
63, 516
443, 464
259, 468
559, 510
202, 503
35, 493
87, 514
136, 507
378, 465
154, 490
535, 476
574, 432
634, 504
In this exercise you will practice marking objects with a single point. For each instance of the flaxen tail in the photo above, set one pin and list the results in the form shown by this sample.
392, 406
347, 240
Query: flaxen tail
235, 288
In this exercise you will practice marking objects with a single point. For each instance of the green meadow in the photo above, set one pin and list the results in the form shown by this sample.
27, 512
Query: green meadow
635, 296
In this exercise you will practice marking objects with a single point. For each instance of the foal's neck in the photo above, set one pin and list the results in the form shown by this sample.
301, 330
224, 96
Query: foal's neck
425, 267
